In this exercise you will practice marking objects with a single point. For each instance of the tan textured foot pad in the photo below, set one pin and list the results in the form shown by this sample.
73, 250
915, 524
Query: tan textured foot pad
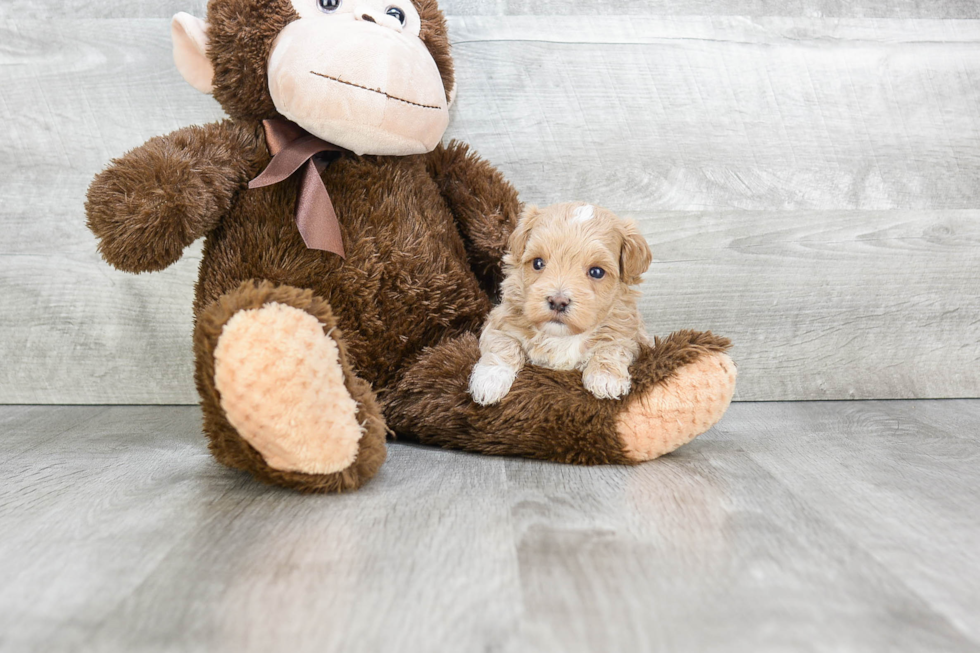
674, 413
282, 388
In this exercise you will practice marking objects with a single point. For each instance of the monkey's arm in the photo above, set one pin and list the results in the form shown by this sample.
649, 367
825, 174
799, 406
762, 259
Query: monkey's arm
484, 204
150, 204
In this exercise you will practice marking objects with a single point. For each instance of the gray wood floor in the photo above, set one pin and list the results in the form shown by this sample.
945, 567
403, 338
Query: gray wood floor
809, 526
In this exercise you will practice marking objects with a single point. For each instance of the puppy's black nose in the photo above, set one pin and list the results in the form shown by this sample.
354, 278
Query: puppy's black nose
559, 303
367, 18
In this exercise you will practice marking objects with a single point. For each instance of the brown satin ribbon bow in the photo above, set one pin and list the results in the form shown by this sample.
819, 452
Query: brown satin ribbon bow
292, 148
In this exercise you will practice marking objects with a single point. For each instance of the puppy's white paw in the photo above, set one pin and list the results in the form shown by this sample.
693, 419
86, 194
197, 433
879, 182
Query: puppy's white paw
606, 385
491, 383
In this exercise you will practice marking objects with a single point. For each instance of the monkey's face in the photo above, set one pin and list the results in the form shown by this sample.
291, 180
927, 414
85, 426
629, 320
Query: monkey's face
356, 73
361, 74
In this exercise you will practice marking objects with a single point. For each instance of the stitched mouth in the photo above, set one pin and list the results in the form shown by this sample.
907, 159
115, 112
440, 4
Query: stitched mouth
376, 90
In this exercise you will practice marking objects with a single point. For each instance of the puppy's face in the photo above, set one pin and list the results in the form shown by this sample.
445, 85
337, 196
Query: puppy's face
570, 263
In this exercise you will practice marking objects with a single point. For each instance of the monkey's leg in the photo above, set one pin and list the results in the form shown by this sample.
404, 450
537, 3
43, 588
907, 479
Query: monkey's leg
280, 399
681, 388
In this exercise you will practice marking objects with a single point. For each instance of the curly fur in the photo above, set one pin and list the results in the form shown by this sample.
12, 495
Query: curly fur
598, 331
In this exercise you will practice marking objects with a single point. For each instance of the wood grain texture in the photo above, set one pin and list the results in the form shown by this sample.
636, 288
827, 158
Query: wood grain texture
825, 304
726, 113
752, 8
843, 475
74, 94
831, 526
52, 9
808, 185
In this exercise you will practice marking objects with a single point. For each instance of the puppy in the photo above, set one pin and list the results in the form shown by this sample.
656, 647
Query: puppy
567, 302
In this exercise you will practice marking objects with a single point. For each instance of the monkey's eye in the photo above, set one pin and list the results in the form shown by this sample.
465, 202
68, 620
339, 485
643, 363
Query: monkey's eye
329, 6
397, 13
538, 264
597, 273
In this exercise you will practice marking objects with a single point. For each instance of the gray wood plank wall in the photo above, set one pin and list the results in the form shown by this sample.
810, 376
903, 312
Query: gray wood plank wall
806, 171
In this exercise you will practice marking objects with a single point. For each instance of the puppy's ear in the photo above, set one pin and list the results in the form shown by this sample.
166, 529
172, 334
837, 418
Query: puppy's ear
635, 257
518, 239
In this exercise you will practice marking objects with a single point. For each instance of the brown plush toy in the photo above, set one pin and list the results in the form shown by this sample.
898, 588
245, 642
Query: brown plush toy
339, 298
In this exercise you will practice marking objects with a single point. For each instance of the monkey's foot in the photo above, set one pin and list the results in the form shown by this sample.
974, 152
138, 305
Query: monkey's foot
281, 383
673, 413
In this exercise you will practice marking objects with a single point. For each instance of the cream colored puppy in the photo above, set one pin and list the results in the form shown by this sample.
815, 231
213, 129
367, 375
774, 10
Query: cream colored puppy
567, 302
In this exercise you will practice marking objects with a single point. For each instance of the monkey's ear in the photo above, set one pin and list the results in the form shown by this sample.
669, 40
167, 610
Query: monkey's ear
190, 37
636, 256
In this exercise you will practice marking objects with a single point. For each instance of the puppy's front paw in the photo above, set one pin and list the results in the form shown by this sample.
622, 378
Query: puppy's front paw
491, 383
607, 385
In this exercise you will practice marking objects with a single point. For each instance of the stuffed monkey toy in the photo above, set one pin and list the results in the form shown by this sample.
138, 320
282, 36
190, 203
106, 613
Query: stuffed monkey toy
350, 259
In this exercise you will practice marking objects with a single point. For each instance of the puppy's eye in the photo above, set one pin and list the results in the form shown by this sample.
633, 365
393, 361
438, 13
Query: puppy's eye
396, 13
538, 264
329, 6
597, 273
